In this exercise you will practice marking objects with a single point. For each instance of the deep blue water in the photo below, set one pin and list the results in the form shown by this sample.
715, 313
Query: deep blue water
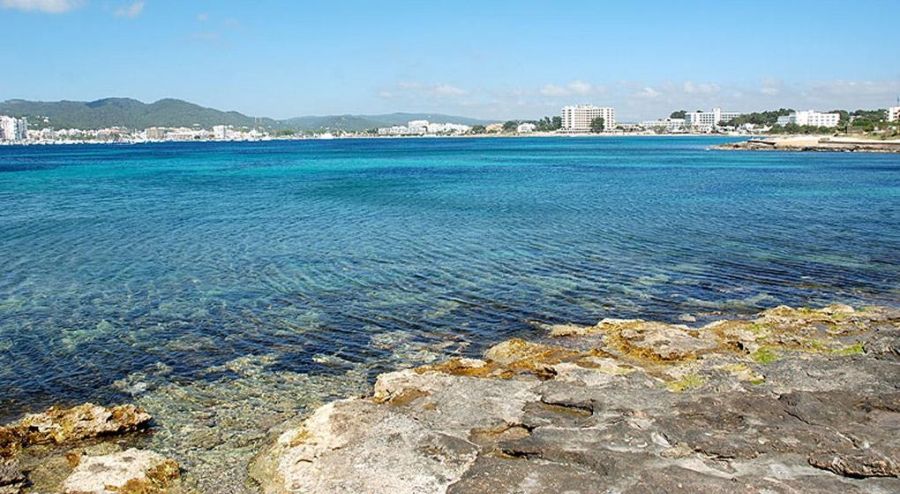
116, 258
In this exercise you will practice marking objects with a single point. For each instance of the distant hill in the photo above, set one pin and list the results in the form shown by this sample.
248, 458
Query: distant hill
134, 114
125, 112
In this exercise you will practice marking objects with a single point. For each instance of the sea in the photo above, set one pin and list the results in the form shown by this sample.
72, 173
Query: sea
230, 287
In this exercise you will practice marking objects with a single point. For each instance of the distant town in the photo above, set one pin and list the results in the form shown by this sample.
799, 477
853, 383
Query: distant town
573, 120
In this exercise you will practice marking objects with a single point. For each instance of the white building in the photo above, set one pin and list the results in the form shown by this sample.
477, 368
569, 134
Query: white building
220, 132
810, 118
417, 126
667, 124
424, 127
526, 128
13, 129
155, 133
579, 118
893, 114
447, 128
396, 130
707, 121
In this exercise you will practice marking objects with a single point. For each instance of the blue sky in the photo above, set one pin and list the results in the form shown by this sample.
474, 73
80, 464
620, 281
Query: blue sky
490, 59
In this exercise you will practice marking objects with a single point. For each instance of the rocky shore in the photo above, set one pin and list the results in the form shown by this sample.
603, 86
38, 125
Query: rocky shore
794, 400
74, 456
813, 143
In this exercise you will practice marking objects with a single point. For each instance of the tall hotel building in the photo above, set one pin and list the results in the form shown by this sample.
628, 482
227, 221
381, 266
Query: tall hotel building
893, 114
708, 120
811, 118
579, 118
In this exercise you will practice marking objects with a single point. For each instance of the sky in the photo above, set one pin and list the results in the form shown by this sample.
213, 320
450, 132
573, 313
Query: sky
489, 59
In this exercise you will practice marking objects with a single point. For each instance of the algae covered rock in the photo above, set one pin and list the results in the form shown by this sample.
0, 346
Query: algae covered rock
623, 406
67, 425
132, 471
58, 428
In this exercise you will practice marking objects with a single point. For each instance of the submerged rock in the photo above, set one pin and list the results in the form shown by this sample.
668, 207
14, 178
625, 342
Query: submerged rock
128, 472
67, 425
792, 401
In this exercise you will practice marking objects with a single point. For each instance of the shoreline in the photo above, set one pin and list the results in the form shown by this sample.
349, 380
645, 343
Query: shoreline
620, 405
813, 144
366, 137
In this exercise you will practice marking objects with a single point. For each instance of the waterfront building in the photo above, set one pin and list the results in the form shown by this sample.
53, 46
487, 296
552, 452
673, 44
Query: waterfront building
155, 133
419, 127
810, 118
447, 128
893, 114
494, 127
423, 127
181, 134
667, 124
395, 130
578, 118
13, 129
707, 121
526, 128
220, 132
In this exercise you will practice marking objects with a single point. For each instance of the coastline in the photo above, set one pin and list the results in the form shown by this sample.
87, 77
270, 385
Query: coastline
363, 136
814, 144
624, 405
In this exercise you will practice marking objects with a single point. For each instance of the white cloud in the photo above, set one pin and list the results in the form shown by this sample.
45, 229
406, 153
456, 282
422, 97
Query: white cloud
130, 11
447, 90
553, 90
842, 88
580, 87
575, 87
648, 92
771, 87
638, 100
690, 87
419, 90
47, 6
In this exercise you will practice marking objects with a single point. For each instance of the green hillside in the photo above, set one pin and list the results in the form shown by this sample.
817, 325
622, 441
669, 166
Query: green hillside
133, 114
124, 112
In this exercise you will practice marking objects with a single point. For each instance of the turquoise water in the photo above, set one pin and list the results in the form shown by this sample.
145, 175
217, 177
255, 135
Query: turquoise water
324, 256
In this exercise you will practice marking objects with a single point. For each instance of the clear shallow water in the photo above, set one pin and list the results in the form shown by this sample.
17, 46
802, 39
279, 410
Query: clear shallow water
130, 268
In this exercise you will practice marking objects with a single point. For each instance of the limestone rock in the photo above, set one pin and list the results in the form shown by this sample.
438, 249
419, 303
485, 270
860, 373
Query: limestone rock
12, 480
67, 425
130, 471
858, 464
359, 446
791, 401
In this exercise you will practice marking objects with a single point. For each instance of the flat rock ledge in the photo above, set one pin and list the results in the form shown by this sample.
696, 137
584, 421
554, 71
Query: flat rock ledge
132, 471
813, 143
61, 426
795, 400
62, 429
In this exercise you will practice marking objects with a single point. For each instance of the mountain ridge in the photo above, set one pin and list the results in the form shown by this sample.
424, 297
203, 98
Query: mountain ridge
173, 112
